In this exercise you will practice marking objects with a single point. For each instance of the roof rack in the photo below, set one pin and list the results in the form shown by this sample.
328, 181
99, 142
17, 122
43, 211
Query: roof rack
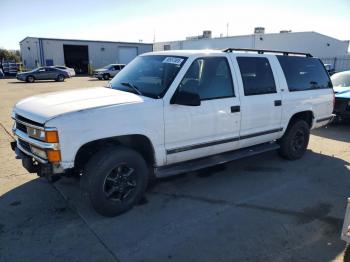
262, 51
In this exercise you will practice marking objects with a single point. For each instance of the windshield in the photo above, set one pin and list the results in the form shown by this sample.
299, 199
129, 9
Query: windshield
341, 79
150, 75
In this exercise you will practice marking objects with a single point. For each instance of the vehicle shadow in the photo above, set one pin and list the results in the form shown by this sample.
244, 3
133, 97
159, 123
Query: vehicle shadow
340, 132
34, 209
97, 80
36, 82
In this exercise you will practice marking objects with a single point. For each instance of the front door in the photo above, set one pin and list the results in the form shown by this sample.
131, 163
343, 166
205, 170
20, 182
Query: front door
213, 126
40, 74
115, 70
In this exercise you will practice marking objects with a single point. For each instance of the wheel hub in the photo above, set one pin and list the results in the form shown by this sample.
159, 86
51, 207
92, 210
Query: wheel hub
120, 183
298, 140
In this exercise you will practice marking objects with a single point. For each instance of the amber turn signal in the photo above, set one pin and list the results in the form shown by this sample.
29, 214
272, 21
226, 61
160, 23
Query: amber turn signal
54, 156
51, 137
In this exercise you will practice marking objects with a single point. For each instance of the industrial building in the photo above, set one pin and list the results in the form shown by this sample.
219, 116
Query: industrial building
86, 55
82, 55
330, 50
309, 42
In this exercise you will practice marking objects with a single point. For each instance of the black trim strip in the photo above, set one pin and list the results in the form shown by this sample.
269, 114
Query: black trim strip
261, 133
324, 119
213, 143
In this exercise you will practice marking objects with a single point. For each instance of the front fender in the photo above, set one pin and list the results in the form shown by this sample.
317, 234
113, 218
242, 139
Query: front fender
79, 128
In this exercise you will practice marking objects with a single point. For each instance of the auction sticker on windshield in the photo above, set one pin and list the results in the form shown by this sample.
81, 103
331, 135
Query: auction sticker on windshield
173, 60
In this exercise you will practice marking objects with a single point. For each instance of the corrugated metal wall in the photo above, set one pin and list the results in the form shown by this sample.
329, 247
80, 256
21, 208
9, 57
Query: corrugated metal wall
340, 63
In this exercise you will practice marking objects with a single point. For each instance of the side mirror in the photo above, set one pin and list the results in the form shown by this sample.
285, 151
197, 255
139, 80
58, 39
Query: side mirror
185, 98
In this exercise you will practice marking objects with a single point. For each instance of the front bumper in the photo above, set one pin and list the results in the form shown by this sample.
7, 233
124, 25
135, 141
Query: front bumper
21, 78
28, 162
342, 107
97, 75
24, 148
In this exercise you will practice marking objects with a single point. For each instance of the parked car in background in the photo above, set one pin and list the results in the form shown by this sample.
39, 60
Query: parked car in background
43, 73
108, 71
341, 86
330, 69
69, 70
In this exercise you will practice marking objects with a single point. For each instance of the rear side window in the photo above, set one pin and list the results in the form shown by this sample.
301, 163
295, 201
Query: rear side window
304, 73
256, 75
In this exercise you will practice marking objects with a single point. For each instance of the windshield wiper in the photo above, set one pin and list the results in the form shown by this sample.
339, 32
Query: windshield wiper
132, 87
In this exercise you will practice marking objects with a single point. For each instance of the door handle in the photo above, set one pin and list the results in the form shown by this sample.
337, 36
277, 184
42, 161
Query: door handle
235, 109
278, 102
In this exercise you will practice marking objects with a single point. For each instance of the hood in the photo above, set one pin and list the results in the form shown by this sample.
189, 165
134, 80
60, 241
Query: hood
24, 73
44, 107
341, 90
101, 70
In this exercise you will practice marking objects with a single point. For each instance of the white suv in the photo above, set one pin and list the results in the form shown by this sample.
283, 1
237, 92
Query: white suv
171, 112
108, 71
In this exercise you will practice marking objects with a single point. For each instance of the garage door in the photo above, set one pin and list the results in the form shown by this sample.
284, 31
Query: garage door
126, 54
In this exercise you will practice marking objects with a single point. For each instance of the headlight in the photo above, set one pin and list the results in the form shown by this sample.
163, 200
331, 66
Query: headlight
42, 135
36, 133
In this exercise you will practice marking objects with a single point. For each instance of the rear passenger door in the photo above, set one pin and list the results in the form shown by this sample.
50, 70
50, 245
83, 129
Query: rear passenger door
52, 73
261, 102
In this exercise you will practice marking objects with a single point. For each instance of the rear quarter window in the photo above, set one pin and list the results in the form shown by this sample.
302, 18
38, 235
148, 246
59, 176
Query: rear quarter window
304, 73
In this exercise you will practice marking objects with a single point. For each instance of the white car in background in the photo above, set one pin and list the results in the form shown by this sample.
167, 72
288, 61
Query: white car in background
108, 71
69, 70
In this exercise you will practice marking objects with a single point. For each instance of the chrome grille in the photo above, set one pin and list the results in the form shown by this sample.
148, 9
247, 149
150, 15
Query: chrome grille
24, 145
28, 121
21, 127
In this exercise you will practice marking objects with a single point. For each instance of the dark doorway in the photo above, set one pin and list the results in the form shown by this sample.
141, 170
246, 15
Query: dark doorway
77, 57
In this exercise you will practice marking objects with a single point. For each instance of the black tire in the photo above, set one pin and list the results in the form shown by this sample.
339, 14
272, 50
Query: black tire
30, 79
99, 78
117, 179
295, 140
347, 254
106, 76
60, 78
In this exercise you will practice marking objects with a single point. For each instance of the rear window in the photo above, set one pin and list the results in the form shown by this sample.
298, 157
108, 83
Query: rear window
304, 73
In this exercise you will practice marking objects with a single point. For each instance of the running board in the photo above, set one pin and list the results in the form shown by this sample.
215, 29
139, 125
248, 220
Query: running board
213, 160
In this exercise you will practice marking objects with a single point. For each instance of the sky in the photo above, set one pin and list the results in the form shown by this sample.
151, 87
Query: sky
134, 20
